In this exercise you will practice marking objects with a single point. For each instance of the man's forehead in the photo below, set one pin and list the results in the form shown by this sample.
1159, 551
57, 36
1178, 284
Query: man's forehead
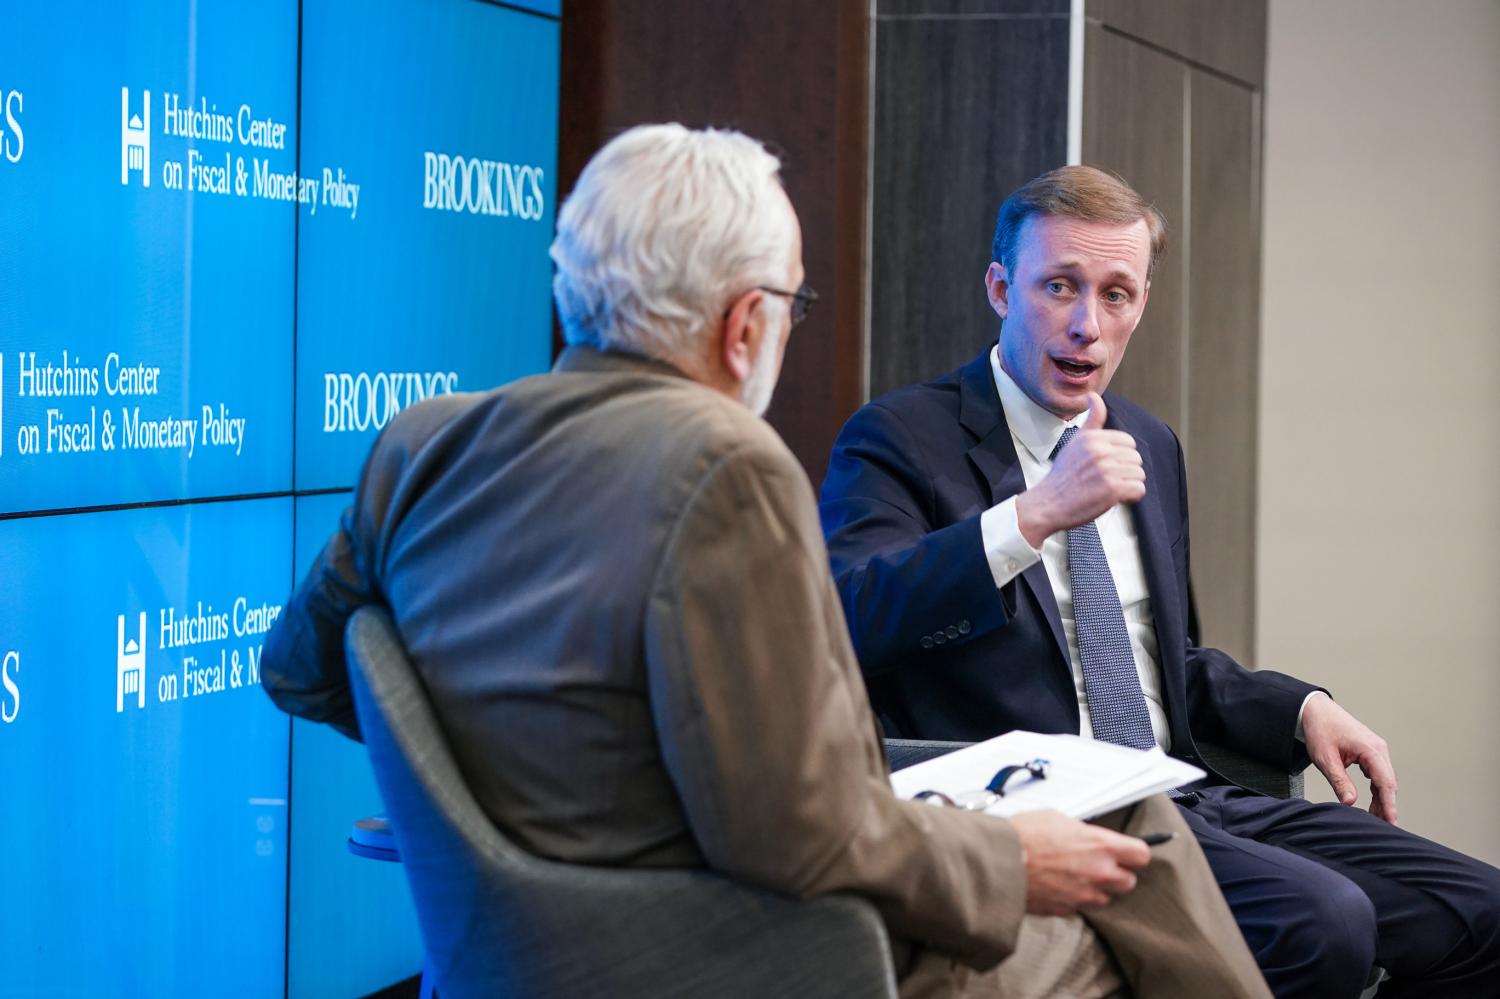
1052, 240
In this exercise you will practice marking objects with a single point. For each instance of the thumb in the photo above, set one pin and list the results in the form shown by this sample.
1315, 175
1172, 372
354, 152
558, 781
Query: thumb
1097, 412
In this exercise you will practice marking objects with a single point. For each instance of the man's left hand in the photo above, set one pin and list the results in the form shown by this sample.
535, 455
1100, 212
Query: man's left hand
1335, 739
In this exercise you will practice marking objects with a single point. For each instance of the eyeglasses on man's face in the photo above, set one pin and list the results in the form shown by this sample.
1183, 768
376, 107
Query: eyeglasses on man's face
802, 299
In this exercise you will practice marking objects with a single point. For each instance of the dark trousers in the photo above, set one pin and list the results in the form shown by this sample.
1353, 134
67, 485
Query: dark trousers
1323, 892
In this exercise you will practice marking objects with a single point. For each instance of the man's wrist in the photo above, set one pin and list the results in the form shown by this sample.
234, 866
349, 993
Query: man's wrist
1030, 518
1301, 732
1005, 548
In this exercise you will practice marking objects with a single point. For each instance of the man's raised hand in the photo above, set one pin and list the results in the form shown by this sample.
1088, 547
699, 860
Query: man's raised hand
1097, 470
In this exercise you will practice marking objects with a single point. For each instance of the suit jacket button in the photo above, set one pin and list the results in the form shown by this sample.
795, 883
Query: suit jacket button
939, 638
926, 641
964, 627
951, 631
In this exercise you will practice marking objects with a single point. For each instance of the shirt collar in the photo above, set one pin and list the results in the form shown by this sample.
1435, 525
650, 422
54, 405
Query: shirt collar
1035, 428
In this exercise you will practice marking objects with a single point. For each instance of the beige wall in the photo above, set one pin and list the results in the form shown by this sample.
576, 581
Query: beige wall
1379, 533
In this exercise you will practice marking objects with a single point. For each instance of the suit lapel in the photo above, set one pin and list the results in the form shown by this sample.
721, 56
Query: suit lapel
994, 454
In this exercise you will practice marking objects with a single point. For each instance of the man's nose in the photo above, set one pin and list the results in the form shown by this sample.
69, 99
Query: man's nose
1083, 324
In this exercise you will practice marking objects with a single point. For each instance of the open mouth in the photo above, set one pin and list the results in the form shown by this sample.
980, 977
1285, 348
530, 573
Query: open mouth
1074, 369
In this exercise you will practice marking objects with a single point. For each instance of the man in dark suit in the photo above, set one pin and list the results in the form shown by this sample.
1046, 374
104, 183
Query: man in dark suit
612, 583
1011, 547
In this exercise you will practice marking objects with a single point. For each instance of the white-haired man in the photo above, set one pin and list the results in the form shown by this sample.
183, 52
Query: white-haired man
612, 578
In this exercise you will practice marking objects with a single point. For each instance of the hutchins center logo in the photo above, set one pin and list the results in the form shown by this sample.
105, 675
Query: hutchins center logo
135, 138
130, 664
237, 153
199, 651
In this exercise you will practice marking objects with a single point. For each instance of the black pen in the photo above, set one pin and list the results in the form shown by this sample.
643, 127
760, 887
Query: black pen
1157, 839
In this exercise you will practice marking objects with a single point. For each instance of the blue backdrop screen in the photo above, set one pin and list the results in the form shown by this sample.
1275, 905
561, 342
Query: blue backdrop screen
145, 794
235, 239
146, 300
454, 149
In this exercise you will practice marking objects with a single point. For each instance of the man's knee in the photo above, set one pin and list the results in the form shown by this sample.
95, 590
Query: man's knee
1454, 935
1328, 940
1480, 916
1347, 916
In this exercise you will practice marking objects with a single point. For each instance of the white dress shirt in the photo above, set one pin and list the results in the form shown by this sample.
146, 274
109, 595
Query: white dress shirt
1035, 433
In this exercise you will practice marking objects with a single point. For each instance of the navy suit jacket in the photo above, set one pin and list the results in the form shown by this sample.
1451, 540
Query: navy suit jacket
946, 655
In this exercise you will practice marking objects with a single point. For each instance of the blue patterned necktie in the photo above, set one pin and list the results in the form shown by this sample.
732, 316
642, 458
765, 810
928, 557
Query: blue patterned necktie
1117, 707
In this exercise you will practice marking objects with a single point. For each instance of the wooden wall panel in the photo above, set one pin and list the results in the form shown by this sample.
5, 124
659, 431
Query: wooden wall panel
792, 74
1227, 36
969, 8
1223, 381
966, 109
1188, 139
1133, 124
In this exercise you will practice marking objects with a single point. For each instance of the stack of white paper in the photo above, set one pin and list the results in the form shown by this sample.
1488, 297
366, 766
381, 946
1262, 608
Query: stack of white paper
1085, 777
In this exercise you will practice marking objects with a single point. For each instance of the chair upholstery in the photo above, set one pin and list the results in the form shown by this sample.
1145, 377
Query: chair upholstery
1241, 769
903, 753
497, 921
1247, 771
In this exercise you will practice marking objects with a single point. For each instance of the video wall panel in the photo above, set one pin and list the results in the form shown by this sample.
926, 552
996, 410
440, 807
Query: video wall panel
143, 812
362, 903
448, 152
210, 213
146, 276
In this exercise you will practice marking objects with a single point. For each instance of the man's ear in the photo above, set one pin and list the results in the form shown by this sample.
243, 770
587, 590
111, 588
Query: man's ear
997, 288
740, 335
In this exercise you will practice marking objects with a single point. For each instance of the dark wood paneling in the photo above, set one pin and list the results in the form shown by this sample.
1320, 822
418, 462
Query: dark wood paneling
965, 111
793, 74
1225, 35
944, 8
1133, 124
1223, 373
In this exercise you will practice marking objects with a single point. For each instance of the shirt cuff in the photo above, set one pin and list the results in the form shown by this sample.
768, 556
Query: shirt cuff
1301, 737
1006, 549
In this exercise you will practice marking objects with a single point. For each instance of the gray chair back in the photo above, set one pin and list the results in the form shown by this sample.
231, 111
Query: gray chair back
497, 921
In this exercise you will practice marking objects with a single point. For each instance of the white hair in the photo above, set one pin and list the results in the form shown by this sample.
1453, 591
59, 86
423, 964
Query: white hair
664, 227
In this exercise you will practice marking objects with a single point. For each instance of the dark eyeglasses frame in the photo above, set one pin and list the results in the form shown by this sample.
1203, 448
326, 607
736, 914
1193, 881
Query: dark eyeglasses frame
802, 299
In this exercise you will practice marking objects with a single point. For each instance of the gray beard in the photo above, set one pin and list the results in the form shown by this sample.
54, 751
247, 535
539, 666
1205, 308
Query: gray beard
761, 383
